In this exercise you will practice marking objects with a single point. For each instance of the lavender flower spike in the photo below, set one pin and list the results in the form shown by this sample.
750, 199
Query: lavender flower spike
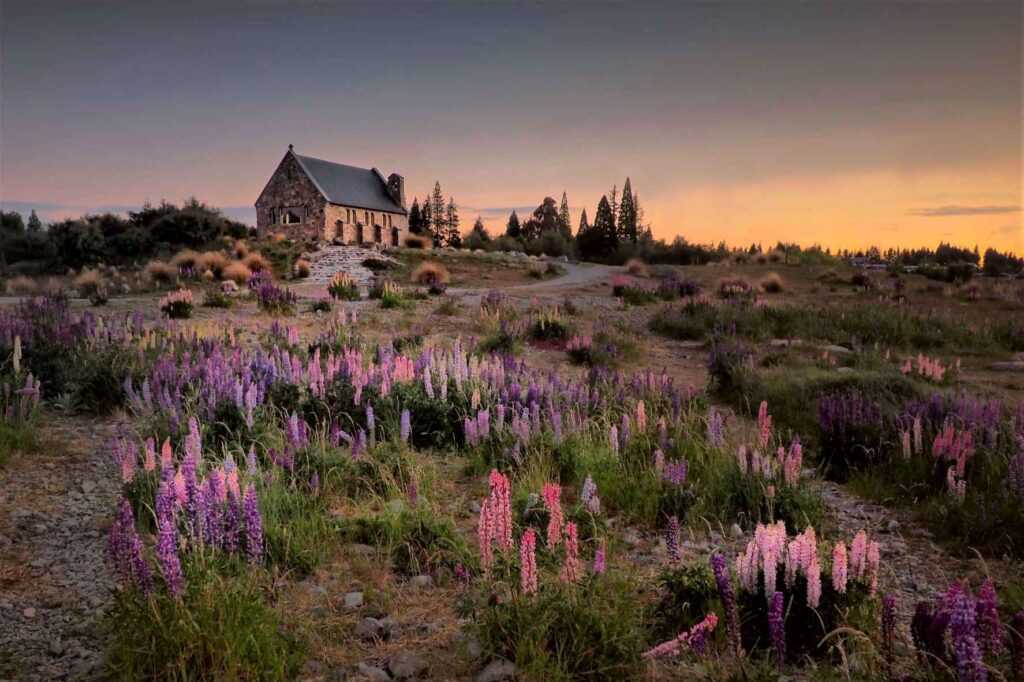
253, 526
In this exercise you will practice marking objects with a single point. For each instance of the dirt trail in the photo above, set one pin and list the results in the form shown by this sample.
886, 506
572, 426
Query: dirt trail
55, 507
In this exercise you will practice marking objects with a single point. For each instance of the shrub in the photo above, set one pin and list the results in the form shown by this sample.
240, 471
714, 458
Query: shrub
863, 280
99, 296
735, 287
321, 305
343, 287
237, 272
377, 264
216, 297
256, 262
221, 628
772, 283
21, 286
212, 261
387, 292
160, 273
547, 326
240, 249
637, 268
501, 341
432, 275
185, 260
177, 305
87, 283
274, 300
302, 268
415, 241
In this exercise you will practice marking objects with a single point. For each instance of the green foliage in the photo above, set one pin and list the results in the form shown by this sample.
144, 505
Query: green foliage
215, 298
688, 593
588, 631
295, 526
416, 540
17, 436
220, 629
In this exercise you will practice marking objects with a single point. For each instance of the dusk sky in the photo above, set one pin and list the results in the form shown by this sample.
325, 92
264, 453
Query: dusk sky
843, 123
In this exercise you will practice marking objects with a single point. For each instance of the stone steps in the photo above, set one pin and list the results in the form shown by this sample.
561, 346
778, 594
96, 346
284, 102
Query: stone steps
332, 259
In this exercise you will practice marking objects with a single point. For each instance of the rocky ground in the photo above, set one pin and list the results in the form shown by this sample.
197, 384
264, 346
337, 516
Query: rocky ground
55, 507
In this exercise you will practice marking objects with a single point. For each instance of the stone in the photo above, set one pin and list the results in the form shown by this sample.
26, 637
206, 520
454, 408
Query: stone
893, 526
354, 600
421, 582
405, 665
30, 612
474, 507
372, 672
497, 671
369, 629
838, 350
88, 486
735, 531
55, 648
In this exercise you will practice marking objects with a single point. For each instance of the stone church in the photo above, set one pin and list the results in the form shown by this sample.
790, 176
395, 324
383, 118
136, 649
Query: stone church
315, 200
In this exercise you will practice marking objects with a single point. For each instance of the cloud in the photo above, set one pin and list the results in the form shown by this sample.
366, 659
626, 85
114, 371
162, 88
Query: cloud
956, 210
1008, 229
496, 211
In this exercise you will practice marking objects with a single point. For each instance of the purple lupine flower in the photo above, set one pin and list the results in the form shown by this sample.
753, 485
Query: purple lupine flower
371, 423
990, 629
405, 426
125, 548
188, 473
231, 524
624, 432
335, 434
253, 526
251, 466
359, 446
889, 631
672, 539
461, 574
413, 489
600, 559
720, 568
314, 483
167, 540
969, 666
777, 630
715, 428
675, 472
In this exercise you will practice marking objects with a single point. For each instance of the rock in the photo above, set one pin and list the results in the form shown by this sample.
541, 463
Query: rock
421, 582
839, 350
30, 612
369, 629
497, 671
88, 486
405, 665
735, 531
1014, 366
55, 648
845, 370
893, 526
354, 600
313, 667
372, 672
363, 550
468, 643
474, 507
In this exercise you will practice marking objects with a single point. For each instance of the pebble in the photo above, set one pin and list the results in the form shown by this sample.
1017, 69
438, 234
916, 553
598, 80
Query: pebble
421, 582
88, 487
30, 612
369, 629
405, 665
372, 672
55, 647
497, 671
354, 600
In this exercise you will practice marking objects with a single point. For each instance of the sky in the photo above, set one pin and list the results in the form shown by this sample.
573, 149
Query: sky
845, 123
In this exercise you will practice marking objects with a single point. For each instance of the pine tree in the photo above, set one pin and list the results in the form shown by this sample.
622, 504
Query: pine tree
613, 202
415, 217
627, 230
452, 236
584, 225
437, 212
513, 228
34, 223
426, 217
564, 221
642, 228
480, 231
600, 239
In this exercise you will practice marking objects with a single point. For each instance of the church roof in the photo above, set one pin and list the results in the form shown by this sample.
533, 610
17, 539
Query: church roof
350, 186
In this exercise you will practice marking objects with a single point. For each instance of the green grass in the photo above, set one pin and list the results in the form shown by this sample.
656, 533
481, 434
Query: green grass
16, 437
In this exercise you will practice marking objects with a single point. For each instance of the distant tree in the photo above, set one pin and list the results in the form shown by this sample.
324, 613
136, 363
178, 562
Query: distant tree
513, 228
35, 225
415, 217
599, 239
544, 220
426, 217
479, 230
564, 221
437, 212
998, 264
613, 202
11, 222
452, 236
627, 228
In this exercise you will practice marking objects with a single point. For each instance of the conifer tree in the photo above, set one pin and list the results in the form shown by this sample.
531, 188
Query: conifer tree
437, 212
36, 225
415, 217
627, 228
426, 217
564, 221
513, 228
452, 236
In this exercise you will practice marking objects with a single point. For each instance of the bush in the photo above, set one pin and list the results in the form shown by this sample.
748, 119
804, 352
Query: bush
343, 287
256, 262
237, 272
213, 262
21, 286
735, 287
220, 629
87, 283
177, 305
302, 268
637, 268
240, 249
432, 275
547, 326
320, 306
161, 273
415, 241
215, 297
772, 283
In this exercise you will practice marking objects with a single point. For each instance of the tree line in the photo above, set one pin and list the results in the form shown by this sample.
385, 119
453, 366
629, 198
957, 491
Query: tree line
436, 218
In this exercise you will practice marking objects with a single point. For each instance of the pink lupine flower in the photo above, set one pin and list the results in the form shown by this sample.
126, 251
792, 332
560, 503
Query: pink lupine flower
528, 562
641, 416
741, 457
166, 455
858, 554
696, 638
814, 584
659, 462
500, 509
571, 567
839, 568
180, 490
551, 493
484, 537
873, 562
906, 445
764, 423
600, 558
149, 464
613, 439
917, 435
128, 467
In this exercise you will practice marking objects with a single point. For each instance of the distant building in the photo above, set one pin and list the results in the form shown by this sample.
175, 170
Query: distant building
315, 200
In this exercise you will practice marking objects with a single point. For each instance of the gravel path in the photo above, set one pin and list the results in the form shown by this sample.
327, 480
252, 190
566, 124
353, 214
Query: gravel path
55, 507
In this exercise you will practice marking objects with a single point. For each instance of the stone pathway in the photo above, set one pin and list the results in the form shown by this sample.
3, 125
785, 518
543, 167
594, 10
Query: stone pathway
55, 507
